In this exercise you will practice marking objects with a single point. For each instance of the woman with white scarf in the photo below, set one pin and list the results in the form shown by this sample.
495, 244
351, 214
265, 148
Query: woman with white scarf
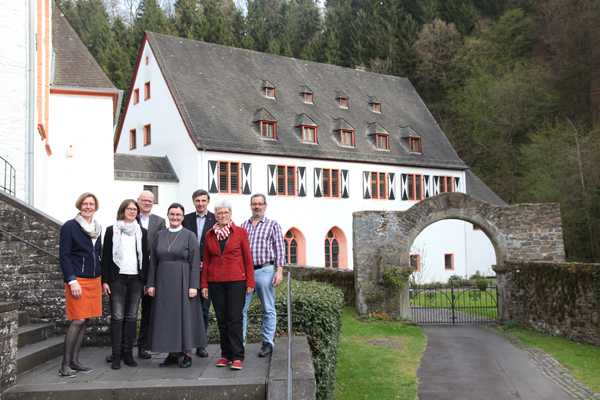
124, 265
79, 251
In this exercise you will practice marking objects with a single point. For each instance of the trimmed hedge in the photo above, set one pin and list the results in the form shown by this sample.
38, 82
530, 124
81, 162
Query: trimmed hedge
316, 313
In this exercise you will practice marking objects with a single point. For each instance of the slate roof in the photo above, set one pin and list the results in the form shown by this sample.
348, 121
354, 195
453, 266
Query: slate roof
74, 66
143, 168
479, 190
218, 91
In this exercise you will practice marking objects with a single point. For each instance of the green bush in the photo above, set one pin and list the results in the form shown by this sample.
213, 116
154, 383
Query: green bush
316, 313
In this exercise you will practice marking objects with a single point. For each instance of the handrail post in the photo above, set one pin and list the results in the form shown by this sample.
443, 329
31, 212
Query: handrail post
290, 333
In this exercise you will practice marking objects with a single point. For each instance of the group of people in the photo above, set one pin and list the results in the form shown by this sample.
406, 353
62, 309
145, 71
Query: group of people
175, 270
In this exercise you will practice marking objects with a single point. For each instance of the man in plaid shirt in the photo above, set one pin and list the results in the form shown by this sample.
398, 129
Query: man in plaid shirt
268, 255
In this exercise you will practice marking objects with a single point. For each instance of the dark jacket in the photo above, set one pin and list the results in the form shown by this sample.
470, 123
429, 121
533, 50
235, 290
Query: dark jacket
79, 257
110, 270
189, 222
234, 263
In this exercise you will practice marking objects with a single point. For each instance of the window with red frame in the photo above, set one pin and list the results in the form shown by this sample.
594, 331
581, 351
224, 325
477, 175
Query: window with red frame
382, 141
309, 133
132, 139
376, 108
446, 184
147, 135
147, 91
268, 129
286, 180
449, 262
347, 137
379, 185
343, 102
291, 247
415, 262
414, 144
331, 182
229, 177
308, 98
269, 92
136, 96
332, 250
415, 187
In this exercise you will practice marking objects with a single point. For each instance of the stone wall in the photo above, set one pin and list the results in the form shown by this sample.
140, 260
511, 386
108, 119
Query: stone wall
556, 298
340, 278
8, 344
382, 239
30, 274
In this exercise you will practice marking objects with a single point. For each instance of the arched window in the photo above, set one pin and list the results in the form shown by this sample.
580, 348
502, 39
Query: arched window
294, 247
332, 250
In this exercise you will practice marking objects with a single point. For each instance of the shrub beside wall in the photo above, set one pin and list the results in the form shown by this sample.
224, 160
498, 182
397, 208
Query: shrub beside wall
343, 279
316, 313
556, 298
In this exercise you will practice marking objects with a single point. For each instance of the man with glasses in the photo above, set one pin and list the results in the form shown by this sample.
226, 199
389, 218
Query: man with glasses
268, 255
199, 222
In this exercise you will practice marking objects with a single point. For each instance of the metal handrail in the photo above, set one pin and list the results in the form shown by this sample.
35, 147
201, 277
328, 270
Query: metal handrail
35, 246
290, 334
9, 181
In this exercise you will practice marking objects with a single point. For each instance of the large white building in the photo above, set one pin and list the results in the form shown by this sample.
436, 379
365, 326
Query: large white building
59, 111
319, 140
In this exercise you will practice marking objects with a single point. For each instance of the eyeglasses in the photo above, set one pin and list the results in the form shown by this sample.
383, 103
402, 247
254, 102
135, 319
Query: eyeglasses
131, 209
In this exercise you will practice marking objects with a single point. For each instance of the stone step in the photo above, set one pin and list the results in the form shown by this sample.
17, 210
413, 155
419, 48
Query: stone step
34, 354
33, 333
159, 389
23, 318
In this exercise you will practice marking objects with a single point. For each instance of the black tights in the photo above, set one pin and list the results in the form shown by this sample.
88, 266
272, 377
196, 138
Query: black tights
73, 340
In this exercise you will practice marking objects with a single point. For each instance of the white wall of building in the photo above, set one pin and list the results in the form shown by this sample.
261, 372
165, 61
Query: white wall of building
472, 250
82, 156
14, 48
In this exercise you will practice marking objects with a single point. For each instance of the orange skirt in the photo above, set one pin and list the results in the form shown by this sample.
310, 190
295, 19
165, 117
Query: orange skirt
89, 304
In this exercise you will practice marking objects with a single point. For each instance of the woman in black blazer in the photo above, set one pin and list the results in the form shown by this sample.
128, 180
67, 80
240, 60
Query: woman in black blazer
125, 260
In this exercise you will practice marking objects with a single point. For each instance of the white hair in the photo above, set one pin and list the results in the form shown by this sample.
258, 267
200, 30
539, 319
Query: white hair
223, 204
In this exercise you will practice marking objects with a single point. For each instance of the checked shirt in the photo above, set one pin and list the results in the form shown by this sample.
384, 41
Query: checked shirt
266, 241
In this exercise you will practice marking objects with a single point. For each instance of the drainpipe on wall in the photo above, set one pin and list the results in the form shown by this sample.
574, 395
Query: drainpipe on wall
30, 132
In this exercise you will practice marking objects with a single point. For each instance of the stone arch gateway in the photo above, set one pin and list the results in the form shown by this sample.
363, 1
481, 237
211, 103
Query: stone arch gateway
382, 239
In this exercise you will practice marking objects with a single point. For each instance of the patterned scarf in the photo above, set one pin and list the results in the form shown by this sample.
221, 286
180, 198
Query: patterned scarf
222, 232
130, 229
93, 229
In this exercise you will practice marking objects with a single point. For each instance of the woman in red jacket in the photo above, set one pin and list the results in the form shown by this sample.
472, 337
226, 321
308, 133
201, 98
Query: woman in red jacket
227, 275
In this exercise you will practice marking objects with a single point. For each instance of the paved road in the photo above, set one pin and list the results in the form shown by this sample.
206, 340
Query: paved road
471, 363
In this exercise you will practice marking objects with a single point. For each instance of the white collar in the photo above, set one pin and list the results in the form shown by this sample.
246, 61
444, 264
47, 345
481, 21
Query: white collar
176, 229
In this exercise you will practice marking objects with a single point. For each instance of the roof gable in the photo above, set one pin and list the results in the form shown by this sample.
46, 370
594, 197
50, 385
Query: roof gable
223, 117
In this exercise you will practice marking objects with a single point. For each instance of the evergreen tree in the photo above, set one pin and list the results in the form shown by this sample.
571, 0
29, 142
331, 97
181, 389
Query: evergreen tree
187, 19
150, 17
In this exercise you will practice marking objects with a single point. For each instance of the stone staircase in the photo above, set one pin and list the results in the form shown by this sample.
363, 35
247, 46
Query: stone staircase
37, 343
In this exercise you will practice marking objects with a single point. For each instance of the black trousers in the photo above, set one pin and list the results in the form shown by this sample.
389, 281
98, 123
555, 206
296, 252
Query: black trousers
228, 301
126, 291
144, 336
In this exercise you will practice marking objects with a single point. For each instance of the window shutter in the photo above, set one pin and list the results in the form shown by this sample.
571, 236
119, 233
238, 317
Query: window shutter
366, 185
457, 184
436, 186
428, 191
404, 186
246, 178
213, 186
391, 186
301, 181
345, 184
318, 182
271, 179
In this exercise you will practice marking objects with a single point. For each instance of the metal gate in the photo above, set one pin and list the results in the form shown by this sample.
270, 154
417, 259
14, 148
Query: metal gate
454, 303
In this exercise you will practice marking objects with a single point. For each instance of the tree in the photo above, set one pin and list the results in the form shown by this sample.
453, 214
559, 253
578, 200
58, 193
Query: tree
150, 17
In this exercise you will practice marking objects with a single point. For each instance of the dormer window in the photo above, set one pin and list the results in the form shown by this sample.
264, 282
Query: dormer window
382, 141
307, 95
343, 102
375, 105
381, 137
268, 90
347, 137
414, 144
268, 129
267, 124
308, 129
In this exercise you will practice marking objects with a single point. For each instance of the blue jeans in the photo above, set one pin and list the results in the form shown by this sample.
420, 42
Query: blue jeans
266, 294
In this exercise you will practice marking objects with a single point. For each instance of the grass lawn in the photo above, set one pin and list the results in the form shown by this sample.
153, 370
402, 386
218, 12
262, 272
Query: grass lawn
467, 301
582, 360
378, 359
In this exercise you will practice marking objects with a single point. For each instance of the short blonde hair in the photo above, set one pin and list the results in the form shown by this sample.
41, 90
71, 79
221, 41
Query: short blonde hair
84, 196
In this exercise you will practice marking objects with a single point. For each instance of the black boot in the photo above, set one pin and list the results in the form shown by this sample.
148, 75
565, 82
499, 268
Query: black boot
116, 335
128, 340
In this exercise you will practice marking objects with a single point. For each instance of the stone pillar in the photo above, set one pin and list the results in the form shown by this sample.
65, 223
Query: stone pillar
503, 276
8, 344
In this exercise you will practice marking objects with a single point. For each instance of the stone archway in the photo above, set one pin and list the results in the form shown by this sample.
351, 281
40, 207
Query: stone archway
382, 239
